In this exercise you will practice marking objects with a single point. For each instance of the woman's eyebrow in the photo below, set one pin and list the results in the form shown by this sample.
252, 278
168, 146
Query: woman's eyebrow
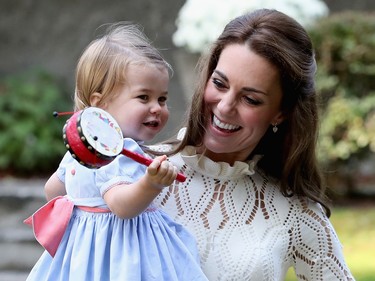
221, 74
247, 89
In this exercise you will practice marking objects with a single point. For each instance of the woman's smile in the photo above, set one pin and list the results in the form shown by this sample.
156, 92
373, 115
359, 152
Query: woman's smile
222, 126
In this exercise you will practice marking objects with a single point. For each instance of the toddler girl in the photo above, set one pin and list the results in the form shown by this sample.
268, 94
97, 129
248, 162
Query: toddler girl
105, 227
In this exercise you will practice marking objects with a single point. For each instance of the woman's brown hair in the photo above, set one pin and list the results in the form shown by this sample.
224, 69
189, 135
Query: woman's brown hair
290, 154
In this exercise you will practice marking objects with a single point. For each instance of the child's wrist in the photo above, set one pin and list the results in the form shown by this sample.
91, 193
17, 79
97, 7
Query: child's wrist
150, 184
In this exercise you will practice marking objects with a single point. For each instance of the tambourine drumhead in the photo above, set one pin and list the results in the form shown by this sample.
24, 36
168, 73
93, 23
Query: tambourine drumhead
101, 131
93, 137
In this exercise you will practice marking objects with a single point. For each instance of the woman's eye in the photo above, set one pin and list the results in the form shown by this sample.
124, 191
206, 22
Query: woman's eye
252, 101
218, 83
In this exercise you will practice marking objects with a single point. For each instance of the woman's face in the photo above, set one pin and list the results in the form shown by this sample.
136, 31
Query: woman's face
242, 98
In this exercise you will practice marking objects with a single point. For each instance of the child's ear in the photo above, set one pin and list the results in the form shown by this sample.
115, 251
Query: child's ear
95, 99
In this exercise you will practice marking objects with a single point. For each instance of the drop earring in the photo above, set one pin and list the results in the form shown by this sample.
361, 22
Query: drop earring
274, 129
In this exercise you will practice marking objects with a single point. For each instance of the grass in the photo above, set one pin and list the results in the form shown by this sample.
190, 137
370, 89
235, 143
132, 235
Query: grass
355, 227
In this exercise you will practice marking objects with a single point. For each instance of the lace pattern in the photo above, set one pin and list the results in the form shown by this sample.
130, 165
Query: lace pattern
246, 229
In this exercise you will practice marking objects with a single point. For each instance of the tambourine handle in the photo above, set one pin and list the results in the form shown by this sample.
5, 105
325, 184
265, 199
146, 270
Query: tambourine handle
146, 161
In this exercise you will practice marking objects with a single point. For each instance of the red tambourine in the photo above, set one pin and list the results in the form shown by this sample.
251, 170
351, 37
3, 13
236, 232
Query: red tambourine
94, 139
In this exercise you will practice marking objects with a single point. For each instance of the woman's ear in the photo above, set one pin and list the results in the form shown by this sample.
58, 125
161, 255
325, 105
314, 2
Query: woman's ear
95, 99
278, 119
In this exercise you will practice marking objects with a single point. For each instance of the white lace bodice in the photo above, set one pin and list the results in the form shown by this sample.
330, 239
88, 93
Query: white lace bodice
246, 229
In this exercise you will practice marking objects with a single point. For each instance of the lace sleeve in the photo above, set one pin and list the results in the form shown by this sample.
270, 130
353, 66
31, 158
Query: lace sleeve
317, 251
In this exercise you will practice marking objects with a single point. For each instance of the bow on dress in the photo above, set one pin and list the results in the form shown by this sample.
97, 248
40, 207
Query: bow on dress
50, 221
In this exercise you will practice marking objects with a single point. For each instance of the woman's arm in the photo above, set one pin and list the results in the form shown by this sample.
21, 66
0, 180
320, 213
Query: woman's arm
317, 249
54, 187
129, 200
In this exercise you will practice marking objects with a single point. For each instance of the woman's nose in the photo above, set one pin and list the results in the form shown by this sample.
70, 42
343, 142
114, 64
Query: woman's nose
227, 103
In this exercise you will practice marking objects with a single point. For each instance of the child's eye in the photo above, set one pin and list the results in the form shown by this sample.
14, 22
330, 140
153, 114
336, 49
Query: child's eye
143, 97
162, 99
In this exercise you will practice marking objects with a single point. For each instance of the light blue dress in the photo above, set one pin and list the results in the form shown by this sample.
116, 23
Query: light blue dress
102, 246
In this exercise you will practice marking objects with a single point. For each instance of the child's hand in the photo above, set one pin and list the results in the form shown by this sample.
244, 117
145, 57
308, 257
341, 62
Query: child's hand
161, 173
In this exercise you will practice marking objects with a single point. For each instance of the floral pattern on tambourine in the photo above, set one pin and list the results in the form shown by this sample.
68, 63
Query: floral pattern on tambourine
101, 131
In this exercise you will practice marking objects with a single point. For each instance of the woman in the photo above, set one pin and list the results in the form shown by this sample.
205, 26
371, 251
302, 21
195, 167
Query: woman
254, 197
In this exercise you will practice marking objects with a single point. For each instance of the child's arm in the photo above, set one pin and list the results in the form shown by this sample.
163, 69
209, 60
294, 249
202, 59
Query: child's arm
129, 200
54, 187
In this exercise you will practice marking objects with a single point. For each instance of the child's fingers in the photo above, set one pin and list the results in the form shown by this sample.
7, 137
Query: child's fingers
152, 169
164, 169
155, 165
170, 171
173, 174
161, 158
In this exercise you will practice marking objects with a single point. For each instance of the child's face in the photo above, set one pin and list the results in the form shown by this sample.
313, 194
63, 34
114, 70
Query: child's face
140, 106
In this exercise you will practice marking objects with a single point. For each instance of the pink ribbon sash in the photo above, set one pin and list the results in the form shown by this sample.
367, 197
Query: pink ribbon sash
49, 222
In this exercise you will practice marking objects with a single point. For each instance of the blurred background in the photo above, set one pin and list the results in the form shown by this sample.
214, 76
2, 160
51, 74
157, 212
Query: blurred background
41, 41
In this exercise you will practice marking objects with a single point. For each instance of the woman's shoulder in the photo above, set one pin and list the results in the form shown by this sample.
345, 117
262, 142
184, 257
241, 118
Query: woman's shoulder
300, 209
308, 218
299, 204
307, 208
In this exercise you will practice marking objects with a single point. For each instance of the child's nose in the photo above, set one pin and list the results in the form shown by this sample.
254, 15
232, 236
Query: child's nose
155, 108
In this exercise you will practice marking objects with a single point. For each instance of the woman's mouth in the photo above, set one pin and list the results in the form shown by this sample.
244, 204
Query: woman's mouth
224, 126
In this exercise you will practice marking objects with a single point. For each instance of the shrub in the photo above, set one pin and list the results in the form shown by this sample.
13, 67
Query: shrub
344, 45
30, 139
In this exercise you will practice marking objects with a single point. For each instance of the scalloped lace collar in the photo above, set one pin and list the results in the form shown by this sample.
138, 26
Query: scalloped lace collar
219, 170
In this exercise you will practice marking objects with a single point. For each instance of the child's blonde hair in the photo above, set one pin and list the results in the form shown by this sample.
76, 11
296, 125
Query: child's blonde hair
103, 64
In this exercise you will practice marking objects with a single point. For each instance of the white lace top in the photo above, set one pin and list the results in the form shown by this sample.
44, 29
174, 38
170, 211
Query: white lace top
246, 229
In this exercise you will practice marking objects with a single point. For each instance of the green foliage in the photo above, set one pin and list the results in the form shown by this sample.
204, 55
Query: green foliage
30, 139
348, 127
344, 45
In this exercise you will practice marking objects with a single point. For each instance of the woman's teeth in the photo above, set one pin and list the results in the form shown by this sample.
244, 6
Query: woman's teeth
224, 126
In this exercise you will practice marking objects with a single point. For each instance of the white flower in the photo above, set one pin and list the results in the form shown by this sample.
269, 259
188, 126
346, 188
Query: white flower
201, 22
